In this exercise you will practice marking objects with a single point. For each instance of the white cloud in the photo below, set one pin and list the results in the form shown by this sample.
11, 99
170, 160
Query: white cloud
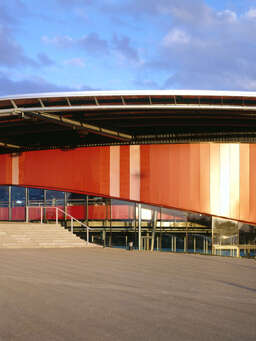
227, 15
58, 40
78, 62
175, 36
251, 14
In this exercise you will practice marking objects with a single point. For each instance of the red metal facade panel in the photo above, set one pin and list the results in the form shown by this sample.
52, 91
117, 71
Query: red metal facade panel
217, 179
4, 213
125, 171
170, 175
5, 169
145, 179
18, 213
81, 170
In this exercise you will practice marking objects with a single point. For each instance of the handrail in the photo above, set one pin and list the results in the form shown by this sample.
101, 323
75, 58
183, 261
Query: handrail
57, 209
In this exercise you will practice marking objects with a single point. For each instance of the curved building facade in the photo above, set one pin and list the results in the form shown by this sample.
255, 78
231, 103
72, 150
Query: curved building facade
176, 150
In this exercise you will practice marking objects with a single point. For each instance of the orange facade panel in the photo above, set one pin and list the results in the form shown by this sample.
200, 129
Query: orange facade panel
125, 171
5, 169
216, 179
81, 170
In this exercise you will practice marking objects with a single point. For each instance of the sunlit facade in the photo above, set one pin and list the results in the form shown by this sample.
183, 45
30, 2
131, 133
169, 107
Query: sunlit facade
115, 223
168, 170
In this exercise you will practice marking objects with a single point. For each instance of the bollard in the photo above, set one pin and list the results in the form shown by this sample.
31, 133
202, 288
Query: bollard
130, 246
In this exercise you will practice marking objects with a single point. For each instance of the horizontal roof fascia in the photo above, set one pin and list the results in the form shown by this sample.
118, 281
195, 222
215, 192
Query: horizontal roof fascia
189, 93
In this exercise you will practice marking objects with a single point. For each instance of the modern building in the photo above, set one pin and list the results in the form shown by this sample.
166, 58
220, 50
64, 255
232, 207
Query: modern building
168, 170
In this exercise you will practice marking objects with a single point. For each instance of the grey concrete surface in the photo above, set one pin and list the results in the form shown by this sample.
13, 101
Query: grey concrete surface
110, 294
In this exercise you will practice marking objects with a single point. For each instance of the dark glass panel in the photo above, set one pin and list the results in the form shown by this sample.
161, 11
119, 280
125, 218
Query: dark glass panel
4, 195
35, 195
225, 232
247, 234
54, 198
18, 196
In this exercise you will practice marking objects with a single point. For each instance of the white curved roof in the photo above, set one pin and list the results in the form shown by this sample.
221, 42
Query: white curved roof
195, 93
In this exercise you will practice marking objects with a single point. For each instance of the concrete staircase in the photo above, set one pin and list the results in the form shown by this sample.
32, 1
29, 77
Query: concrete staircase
35, 235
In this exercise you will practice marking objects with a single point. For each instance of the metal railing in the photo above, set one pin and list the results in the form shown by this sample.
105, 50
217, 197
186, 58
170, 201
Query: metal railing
57, 215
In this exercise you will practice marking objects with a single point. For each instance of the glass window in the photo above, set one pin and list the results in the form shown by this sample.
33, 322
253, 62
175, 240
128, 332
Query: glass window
4, 196
35, 195
54, 198
247, 234
225, 232
18, 195
75, 199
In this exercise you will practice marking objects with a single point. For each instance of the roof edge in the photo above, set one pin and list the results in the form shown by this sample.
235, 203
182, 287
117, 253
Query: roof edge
92, 93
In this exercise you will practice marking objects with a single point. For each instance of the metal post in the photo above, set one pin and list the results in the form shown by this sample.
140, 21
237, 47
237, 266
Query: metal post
154, 229
160, 228
45, 197
135, 224
87, 210
57, 218
41, 215
27, 217
87, 235
65, 205
72, 224
194, 244
10, 203
110, 222
26, 203
139, 220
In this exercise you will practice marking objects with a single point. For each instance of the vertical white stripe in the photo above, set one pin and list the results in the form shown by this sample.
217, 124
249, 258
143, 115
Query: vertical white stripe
15, 169
214, 179
135, 173
224, 180
114, 189
234, 180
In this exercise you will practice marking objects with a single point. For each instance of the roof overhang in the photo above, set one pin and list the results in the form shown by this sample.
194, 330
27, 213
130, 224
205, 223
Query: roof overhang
85, 118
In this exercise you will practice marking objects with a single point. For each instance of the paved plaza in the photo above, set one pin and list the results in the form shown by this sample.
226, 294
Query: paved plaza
112, 294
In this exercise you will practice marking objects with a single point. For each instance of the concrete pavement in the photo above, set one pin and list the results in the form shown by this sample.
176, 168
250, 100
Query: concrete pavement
111, 294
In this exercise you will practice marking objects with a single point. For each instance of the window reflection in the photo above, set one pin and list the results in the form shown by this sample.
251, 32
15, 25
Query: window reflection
116, 222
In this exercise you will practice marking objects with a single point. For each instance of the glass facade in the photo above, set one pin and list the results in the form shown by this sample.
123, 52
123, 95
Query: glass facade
232, 238
117, 223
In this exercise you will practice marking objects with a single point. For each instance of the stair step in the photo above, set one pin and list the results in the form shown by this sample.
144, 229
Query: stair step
31, 235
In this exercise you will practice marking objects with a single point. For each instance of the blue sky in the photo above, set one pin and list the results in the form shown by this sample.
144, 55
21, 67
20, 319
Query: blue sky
57, 45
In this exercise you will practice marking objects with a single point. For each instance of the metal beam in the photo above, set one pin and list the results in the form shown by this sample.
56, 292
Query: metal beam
82, 126
9, 145
203, 107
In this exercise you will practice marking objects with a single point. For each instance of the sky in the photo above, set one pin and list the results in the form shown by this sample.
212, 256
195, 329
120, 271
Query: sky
69, 45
